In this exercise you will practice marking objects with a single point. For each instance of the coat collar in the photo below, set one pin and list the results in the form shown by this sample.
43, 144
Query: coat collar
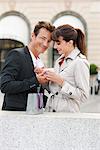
26, 50
73, 54
70, 57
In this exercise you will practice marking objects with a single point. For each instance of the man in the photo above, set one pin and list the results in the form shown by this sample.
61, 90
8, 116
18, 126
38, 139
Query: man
18, 77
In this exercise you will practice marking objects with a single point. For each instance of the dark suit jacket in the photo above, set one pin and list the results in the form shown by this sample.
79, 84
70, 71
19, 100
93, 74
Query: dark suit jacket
18, 79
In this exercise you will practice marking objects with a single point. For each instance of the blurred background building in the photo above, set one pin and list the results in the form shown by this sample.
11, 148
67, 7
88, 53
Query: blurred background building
18, 17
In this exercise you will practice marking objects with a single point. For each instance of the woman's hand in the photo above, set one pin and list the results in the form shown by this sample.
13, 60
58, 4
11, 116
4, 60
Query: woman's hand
52, 76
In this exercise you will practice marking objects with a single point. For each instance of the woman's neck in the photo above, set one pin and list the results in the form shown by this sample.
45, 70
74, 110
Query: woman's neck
69, 51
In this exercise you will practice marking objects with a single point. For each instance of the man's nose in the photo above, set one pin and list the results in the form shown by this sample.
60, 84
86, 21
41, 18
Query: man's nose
46, 44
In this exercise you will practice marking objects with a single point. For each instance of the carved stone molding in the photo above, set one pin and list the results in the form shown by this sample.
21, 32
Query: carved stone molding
12, 4
67, 4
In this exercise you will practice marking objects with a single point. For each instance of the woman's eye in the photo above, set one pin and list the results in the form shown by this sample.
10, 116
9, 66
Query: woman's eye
58, 43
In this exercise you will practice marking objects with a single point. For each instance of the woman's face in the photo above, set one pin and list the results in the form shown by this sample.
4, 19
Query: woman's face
62, 46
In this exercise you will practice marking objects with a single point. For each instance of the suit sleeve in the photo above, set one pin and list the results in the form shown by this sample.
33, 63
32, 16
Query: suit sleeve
10, 73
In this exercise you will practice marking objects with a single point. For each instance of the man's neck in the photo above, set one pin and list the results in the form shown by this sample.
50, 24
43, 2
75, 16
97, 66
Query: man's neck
34, 51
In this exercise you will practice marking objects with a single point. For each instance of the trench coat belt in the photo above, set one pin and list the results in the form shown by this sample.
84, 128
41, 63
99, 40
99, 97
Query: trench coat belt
52, 95
50, 98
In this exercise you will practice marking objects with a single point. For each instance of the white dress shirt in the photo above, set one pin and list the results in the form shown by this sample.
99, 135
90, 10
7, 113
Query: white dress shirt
36, 61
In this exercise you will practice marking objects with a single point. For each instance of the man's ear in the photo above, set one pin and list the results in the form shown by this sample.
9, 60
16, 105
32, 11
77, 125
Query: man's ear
33, 35
71, 42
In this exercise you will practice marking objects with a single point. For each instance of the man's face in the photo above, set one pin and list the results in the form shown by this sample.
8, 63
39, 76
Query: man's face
41, 42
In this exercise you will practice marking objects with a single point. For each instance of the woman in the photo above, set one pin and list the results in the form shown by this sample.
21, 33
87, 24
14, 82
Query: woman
69, 82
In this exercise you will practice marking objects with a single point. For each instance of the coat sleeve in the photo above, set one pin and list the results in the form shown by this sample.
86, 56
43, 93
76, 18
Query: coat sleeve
80, 91
10, 73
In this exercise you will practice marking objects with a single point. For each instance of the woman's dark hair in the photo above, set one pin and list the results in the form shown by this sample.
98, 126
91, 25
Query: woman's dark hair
70, 33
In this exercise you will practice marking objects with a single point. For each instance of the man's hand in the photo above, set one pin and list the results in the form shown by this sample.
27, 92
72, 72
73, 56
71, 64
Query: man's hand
42, 79
38, 70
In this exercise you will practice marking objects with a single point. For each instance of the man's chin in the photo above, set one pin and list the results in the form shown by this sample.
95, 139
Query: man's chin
43, 50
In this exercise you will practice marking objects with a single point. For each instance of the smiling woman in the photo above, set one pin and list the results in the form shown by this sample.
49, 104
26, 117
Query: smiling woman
69, 83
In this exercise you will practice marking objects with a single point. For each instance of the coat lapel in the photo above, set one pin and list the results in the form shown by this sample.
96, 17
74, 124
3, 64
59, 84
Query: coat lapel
28, 57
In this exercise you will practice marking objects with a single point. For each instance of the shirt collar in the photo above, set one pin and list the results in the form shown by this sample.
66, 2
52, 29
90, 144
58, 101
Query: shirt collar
36, 61
73, 54
33, 58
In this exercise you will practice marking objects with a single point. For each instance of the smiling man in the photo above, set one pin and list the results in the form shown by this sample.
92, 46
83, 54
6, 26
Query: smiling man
18, 77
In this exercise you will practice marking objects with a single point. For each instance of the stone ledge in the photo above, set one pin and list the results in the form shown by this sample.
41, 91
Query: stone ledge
51, 115
49, 131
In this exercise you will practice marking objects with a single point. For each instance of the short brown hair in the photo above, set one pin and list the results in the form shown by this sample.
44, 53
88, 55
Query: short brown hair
43, 24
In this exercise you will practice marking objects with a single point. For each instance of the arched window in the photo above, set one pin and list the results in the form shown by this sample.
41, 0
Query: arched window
14, 33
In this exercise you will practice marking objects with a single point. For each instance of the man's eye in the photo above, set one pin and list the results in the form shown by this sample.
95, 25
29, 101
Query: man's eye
42, 38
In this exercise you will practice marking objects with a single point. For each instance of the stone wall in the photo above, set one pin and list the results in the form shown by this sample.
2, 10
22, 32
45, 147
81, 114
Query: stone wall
49, 131
46, 10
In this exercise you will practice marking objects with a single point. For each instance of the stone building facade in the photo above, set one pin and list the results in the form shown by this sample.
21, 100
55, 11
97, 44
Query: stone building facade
31, 11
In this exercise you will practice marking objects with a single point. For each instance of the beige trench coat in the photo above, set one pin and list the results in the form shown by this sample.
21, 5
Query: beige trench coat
75, 90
